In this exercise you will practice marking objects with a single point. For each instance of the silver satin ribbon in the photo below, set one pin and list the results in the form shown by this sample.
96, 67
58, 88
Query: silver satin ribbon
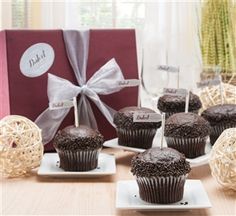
104, 81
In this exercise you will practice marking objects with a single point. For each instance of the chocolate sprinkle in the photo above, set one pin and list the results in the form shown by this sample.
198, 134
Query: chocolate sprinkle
159, 162
78, 138
124, 119
186, 125
175, 103
220, 114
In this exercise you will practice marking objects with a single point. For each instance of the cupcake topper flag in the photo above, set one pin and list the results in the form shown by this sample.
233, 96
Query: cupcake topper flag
64, 105
178, 92
147, 117
171, 91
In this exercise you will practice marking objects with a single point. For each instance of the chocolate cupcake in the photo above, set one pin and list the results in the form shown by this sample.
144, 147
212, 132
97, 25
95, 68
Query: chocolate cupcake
187, 132
78, 148
171, 104
160, 174
220, 118
135, 134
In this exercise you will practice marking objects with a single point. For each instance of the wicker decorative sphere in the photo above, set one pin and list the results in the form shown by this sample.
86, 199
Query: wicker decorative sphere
21, 147
210, 96
223, 159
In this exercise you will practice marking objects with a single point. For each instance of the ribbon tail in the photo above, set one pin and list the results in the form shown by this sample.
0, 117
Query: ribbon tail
49, 121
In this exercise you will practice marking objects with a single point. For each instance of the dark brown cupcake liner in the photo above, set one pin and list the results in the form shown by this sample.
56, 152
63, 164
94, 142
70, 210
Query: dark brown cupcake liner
161, 190
217, 130
168, 114
78, 160
137, 138
190, 147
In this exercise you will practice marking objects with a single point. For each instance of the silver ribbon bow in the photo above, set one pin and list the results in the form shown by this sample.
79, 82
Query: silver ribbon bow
105, 81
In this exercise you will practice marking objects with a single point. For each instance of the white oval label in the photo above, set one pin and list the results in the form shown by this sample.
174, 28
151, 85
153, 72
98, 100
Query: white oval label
37, 60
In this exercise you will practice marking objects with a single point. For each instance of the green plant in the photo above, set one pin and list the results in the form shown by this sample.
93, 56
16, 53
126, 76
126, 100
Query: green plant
218, 35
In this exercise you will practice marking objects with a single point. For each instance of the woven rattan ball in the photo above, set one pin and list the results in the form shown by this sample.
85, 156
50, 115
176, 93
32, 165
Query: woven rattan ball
21, 147
210, 96
223, 159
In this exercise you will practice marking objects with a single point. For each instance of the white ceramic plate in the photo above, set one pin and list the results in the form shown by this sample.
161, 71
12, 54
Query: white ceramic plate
201, 160
198, 161
195, 197
50, 167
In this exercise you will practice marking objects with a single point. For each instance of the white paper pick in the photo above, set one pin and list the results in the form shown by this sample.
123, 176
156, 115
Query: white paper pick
146, 117
187, 102
76, 112
173, 91
61, 104
139, 96
217, 70
221, 90
178, 78
163, 119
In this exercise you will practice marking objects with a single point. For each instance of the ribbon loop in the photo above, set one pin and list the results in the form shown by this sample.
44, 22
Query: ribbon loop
106, 79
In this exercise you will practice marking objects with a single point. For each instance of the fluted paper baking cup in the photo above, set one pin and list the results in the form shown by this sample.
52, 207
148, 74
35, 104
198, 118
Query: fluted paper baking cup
190, 147
137, 138
78, 160
161, 190
218, 129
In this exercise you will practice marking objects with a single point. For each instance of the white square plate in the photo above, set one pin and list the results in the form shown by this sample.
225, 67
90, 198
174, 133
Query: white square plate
194, 162
195, 197
50, 167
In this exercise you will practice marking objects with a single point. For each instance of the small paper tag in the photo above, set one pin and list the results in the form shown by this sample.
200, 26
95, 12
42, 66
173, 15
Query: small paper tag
61, 104
146, 117
208, 82
168, 68
129, 83
173, 91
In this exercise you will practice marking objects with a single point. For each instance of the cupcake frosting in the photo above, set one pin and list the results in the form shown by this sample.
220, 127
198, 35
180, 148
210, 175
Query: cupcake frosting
78, 138
124, 118
175, 103
186, 125
219, 114
159, 162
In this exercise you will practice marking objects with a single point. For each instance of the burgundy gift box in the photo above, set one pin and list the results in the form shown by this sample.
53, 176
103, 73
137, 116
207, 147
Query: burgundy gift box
27, 96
